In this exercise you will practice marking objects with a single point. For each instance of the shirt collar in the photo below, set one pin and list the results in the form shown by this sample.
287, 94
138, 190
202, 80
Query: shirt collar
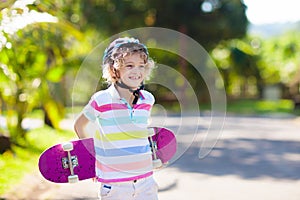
113, 92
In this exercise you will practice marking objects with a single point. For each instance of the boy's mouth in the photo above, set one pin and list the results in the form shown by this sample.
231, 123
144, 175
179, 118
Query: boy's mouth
134, 77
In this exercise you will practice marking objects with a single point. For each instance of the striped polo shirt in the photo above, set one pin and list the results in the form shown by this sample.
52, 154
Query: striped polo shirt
121, 142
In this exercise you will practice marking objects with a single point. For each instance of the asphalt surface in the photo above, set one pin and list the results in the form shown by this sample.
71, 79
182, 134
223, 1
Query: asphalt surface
252, 158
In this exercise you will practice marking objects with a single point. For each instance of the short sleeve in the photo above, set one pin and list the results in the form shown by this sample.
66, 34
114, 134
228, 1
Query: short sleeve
90, 111
148, 97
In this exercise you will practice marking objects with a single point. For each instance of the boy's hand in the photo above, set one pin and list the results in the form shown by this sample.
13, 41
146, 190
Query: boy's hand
151, 131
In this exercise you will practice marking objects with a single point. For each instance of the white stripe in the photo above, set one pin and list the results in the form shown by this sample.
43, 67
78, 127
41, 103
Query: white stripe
123, 159
123, 174
126, 128
115, 113
121, 144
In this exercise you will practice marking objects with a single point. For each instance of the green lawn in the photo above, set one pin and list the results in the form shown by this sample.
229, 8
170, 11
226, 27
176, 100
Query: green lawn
261, 107
24, 160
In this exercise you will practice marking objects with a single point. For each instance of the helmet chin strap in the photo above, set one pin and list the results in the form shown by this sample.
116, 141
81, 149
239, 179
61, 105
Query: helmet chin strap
136, 93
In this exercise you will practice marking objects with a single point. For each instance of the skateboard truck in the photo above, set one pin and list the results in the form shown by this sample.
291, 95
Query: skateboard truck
156, 162
70, 162
65, 162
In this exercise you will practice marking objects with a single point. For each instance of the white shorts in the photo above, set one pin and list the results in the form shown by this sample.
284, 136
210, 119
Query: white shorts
141, 189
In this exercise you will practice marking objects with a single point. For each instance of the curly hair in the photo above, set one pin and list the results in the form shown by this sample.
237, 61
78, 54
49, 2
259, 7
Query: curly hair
115, 53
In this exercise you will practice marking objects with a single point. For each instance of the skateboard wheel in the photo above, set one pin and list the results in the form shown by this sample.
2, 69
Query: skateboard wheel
67, 146
156, 163
73, 179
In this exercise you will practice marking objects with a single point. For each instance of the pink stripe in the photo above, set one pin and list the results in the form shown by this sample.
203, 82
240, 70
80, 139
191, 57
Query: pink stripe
142, 106
124, 179
123, 167
117, 106
108, 107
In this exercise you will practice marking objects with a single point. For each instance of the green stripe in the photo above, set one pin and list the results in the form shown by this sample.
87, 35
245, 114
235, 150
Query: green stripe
124, 136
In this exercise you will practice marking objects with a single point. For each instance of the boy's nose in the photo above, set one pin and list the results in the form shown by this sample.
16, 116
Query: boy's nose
136, 69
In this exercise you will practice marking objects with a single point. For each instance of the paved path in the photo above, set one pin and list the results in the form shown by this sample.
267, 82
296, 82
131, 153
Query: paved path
255, 158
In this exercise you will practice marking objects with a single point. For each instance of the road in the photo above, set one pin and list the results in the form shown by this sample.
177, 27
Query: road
254, 158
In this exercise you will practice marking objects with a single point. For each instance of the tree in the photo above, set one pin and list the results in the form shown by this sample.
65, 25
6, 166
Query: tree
206, 21
260, 62
225, 19
237, 60
34, 58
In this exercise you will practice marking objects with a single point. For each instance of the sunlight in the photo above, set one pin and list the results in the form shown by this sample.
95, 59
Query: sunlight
209, 5
12, 21
270, 11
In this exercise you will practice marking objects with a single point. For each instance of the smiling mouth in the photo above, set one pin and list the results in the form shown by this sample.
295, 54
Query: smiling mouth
135, 77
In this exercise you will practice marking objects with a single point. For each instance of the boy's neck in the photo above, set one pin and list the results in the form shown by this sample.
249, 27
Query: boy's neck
125, 93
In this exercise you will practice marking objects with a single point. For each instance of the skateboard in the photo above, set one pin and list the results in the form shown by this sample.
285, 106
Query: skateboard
69, 162
163, 145
73, 161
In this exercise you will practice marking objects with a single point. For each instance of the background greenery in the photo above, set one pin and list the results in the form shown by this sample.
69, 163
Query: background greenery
14, 165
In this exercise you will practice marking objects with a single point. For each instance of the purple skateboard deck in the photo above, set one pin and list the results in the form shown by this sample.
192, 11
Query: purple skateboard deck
54, 163
59, 164
165, 144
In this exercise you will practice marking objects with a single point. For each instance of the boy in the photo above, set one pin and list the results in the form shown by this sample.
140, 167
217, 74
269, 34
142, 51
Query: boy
121, 112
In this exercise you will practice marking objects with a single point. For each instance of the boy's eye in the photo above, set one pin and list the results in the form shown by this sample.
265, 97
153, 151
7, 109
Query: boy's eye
132, 66
129, 66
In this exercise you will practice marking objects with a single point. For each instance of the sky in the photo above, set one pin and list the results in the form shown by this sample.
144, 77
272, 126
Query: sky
272, 11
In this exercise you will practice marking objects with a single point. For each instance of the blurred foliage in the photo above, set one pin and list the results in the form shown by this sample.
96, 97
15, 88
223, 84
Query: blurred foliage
207, 21
13, 167
39, 60
253, 107
251, 64
237, 61
280, 57
34, 60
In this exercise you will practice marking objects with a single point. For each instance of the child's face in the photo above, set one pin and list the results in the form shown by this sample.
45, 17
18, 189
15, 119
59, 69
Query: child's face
132, 72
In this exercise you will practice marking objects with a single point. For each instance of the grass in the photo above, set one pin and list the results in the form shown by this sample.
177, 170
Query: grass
262, 107
24, 160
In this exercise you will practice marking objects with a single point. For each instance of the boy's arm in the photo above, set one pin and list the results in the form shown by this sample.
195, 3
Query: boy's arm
79, 126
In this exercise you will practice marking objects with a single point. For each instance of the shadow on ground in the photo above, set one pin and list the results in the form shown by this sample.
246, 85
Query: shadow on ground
247, 158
